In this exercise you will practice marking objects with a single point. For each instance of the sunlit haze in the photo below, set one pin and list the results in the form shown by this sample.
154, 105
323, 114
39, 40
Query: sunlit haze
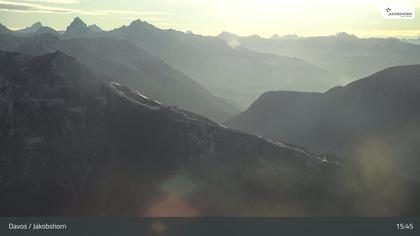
210, 17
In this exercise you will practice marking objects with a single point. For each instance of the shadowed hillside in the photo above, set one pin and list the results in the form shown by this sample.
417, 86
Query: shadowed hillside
375, 120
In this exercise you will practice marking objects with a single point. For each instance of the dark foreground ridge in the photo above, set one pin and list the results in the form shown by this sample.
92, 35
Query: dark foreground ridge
72, 143
375, 120
130, 65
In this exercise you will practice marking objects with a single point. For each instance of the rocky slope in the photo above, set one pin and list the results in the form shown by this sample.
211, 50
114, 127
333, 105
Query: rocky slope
132, 66
373, 119
73, 144
232, 72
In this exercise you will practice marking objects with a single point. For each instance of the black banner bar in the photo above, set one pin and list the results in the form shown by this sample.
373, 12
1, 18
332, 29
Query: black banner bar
118, 226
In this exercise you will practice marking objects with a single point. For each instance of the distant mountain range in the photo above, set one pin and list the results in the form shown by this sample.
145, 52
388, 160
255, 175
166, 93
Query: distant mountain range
376, 119
35, 29
73, 143
234, 73
31, 29
96, 122
79, 29
413, 41
346, 56
127, 64
239, 68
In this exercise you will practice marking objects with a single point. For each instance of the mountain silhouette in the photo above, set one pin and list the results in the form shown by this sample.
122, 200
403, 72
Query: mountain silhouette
346, 56
132, 66
229, 70
373, 119
76, 29
74, 144
95, 28
32, 29
235, 73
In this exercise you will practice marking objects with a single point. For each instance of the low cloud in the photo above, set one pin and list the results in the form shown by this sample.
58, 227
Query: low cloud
127, 12
38, 8
26, 7
55, 1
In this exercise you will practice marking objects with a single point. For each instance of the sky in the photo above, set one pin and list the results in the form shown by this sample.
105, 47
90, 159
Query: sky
210, 17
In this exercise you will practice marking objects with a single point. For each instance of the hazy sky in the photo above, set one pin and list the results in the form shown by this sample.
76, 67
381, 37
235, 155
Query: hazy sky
210, 17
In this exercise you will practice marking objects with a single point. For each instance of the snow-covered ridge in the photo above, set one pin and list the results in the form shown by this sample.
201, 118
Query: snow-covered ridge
134, 96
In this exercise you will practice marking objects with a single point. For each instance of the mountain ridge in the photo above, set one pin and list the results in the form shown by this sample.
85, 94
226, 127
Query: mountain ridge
205, 59
131, 66
363, 56
379, 109
31, 29
92, 147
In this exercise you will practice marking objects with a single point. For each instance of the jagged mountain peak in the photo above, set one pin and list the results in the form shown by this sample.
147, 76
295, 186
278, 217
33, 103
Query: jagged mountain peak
139, 24
76, 24
227, 35
32, 29
95, 28
47, 30
78, 20
77, 28
37, 24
